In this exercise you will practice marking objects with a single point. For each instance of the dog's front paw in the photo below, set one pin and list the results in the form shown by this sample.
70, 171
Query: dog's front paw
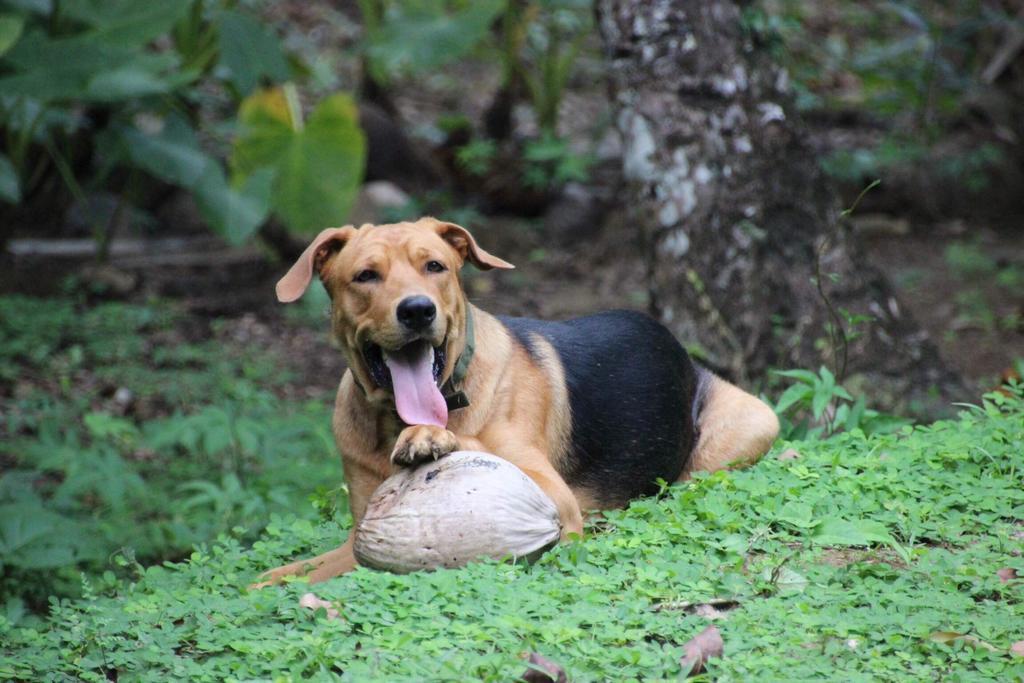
423, 442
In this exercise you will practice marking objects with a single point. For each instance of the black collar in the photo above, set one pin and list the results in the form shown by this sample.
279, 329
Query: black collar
454, 396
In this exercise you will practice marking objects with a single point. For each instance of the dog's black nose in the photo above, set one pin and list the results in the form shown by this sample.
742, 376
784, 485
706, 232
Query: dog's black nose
416, 312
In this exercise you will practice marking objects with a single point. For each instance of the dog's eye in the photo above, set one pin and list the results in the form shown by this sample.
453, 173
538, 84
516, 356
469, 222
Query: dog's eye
366, 276
435, 267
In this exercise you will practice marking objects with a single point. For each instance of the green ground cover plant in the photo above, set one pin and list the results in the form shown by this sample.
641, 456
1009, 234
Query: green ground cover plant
856, 557
124, 440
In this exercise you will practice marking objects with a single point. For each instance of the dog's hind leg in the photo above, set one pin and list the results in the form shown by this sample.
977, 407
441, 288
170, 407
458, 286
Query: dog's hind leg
320, 568
734, 428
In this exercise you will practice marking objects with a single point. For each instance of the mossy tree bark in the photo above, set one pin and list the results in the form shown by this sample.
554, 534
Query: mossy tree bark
739, 221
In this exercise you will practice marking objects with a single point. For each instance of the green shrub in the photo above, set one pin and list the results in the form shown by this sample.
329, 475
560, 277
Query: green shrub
80, 482
106, 94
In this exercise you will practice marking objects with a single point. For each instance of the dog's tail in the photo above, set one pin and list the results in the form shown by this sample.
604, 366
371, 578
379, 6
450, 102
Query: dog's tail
733, 428
705, 378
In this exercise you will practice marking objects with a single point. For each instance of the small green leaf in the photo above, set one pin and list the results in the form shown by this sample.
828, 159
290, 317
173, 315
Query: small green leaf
786, 580
861, 532
853, 420
797, 393
796, 514
805, 376
828, 378
822, 397
841, 392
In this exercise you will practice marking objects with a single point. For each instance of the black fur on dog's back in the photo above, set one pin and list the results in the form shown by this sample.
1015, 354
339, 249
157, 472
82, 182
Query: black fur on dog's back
634, 395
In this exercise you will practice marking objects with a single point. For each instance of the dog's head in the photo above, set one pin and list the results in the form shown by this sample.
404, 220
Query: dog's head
398, 309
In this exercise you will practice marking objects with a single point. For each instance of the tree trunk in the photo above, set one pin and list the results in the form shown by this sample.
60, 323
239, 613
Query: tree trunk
749, 262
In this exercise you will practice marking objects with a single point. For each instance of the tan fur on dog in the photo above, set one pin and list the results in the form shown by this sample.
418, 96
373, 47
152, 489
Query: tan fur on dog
520, 407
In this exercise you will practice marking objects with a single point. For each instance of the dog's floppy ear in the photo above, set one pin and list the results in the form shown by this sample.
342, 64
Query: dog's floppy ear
463, 242
296, 280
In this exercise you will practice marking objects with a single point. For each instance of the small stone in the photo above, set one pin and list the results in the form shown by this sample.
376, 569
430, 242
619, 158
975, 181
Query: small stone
311, 601
124, 396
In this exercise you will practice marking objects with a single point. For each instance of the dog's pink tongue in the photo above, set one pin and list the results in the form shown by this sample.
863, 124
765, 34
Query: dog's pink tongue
417, 398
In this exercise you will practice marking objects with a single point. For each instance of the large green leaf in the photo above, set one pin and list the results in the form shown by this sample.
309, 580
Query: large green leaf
269, 120
841, 532
318, 166
235, 212
174, 155
10, 30
48, 69
419, 35
249, 52
126, 82
83, 67
126, 22
10, 187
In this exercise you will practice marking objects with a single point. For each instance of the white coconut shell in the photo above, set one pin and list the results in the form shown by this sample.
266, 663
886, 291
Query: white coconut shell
467, 505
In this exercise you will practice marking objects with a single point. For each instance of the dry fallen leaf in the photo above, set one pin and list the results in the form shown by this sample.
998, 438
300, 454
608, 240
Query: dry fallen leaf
311, 601
699, 649
789, 454
948, 637
543, 670
1017, 649
1007, 574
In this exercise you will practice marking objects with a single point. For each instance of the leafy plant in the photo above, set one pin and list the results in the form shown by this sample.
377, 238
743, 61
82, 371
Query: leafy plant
551, 162
105, 95
476, 156
83, 479
542, 41
314, 167
815, 405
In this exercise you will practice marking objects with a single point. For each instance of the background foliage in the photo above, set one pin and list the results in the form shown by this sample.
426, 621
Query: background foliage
110, 96
208, 447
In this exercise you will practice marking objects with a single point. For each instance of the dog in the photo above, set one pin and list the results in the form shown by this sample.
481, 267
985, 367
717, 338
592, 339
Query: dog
595, 410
